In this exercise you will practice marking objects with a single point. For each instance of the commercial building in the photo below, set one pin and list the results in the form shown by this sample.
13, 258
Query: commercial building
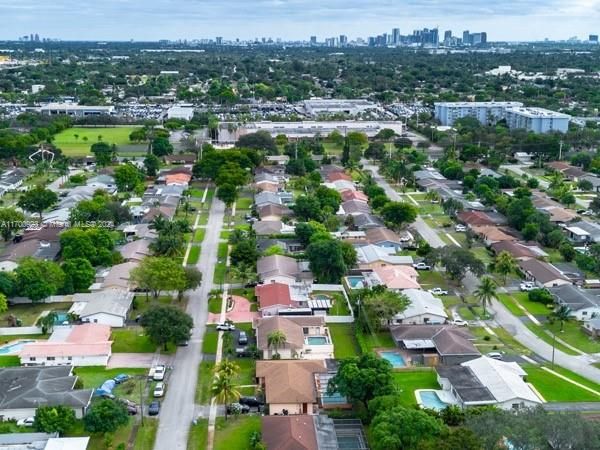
319, 106
485, 112
184, 112
74, 110
538, 120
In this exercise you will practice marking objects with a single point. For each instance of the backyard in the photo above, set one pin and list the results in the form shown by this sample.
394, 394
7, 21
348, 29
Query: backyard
29, 313
344, 341
407, 381
235, 433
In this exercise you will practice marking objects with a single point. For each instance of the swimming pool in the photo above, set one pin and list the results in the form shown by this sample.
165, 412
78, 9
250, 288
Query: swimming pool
334, 399
430, 399
395, 358
14, 347
61, 318
317, 340
321, 297
356, 282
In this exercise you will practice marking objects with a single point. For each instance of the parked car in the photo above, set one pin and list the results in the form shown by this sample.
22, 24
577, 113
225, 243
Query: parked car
242, 338
154, 408
494, 355
252, 402
527, 286
27, 422
127, 403
121, 378
422, 266
237, 408
132, 410
460, 228
438, 291
159, 390
159, 373
460, 322
225, 327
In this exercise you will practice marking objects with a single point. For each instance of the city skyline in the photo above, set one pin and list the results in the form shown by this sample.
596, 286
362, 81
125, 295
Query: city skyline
520, 20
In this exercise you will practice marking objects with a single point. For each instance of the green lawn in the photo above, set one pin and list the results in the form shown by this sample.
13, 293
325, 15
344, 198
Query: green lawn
198, 436
509, 302
209, 344
573, 335
94, 376
539, 332
344, 341
522, 298
97, 442
508, 340
205, 376
194, 255
29, 313
199, 235
6, 338
235, 433
555, 389
9, 361
215, 304
131, 340
72, 146
429, 279
225, 234
369, 342
220, 271
146, 435
407, 381
243, 203
247, 372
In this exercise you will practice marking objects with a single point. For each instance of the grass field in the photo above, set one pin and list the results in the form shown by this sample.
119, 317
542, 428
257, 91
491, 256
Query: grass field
205, 376
10, 361
198, 435
344, 341
555, 389
234, 433
80, 146
407, 381
146, 435
94, 376
131, 340
194, 255
29, 313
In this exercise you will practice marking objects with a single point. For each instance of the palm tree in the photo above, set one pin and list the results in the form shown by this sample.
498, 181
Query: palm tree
276, 339
504, 264
556, 180
224, 390
562, 314
47, 322
227, 368
486, 292
158, 223
432, 196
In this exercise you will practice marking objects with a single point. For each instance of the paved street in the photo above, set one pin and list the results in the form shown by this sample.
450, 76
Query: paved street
178, 408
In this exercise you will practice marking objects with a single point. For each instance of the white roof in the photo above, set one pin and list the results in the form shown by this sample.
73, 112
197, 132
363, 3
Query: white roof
115, 302
76, 443
578, 231
421, 302
370, 253
503, 379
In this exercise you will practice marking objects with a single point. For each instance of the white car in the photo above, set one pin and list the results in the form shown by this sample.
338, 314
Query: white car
527, 286
421, 266
225, 327
494, 355
460, 323
27, 422
159, 390
438, 291
159, 373
460, 228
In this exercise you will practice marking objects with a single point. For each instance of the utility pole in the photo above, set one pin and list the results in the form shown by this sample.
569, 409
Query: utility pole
553, 347
560, 150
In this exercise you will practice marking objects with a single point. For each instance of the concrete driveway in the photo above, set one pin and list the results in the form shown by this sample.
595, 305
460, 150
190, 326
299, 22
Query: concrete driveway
123, 360
240, 313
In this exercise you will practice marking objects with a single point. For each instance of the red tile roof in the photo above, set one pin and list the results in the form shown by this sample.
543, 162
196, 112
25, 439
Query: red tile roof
334, 176
273, 294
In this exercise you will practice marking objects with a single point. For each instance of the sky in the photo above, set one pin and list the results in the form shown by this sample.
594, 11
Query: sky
514, 20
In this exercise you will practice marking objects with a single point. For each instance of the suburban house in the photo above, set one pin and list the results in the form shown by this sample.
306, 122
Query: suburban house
492, 234
41, 242
272, 227
435, 344
282, 269
518, 250
341, 185
487, 381
273, 297
108, 307
116, 277
286, 245
266, 198
386, 238
78, 345
266, 186
371, 256
274, 212
42, 441
583, 232
24, 389
397, 278
290, 385
306, 337
423, 309
353, 208
136, 250
278, 159
349, 194
289, 432
104, 182
542, 273
367, 221
582, 304
12, 180
592, 327
338, 175
475, 219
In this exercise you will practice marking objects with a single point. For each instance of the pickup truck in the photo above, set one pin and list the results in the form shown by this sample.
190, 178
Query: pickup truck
421, 266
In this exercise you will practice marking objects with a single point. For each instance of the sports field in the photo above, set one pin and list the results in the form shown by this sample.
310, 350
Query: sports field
77, 141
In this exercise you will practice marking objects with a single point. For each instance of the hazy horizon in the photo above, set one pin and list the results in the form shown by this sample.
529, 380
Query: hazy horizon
152, 20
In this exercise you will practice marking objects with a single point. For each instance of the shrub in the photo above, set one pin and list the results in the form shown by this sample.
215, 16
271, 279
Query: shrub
540, 296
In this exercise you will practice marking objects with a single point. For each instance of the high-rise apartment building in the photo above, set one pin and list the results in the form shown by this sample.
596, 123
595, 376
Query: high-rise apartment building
396, 36
343, 40
313, 40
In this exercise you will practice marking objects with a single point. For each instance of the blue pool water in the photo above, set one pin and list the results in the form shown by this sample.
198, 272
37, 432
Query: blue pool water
395, 358
61, 317
317, 340
13, 348
430, 399
321, 297
334, 399
356, 282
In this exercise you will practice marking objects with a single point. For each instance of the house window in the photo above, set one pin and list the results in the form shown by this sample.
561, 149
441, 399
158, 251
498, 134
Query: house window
50, 358
305, 330
69, 358
32, 358
584, 313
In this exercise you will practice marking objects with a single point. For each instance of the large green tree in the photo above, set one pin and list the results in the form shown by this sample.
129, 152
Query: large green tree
105, 416
54, 419
166, 324
10, 221
79, 275
156, 274
104, 153
37, 200
326, 259
37, 279
128, 177
398, 213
